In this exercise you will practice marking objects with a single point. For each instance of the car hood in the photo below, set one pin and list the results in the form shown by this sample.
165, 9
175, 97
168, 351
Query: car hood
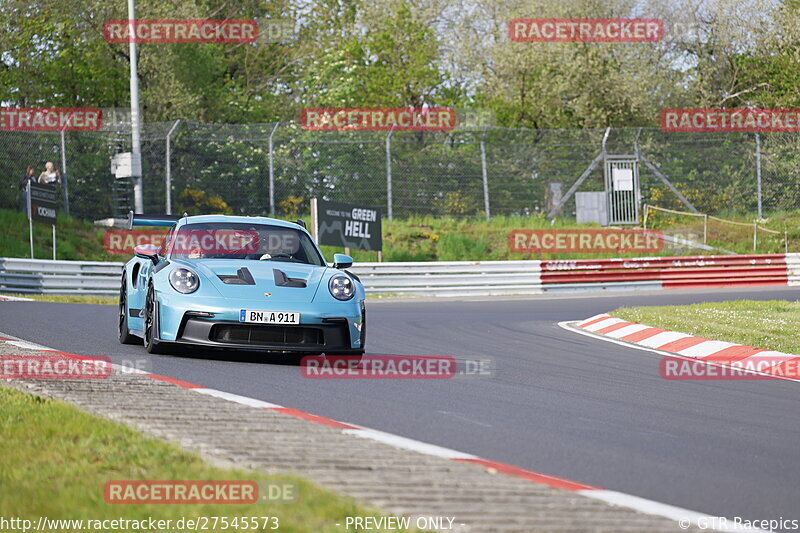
283, 280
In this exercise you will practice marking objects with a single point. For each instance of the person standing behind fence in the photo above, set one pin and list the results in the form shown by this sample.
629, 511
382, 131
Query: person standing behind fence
29, 177
49, 176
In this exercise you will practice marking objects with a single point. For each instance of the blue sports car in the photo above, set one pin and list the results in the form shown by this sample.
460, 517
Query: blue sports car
251, 283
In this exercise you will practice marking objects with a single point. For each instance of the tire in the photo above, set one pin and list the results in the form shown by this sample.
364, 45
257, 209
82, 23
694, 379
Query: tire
125, 336
150, 344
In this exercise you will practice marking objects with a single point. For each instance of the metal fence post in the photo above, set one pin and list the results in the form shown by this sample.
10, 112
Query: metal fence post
136, 117
272, 172
485, 176
168, 179
389, 173
758, 172
64, 185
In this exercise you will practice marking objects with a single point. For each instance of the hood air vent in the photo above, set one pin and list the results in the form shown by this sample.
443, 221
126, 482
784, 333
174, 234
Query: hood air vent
281, 280
242, 277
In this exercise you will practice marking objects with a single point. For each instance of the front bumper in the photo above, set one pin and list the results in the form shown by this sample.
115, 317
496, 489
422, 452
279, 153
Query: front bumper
334, 336
215, 323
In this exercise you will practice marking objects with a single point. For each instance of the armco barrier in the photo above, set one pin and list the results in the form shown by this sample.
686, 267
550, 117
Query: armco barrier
463, 278
37, 276
451, 278
704, 271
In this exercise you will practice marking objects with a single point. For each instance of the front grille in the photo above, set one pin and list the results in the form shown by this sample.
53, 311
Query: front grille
258, 335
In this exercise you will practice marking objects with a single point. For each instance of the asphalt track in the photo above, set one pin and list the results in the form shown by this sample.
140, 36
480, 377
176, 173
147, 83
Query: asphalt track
559, 403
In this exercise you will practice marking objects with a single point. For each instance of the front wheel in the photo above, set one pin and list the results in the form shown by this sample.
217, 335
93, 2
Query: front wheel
125, 336
151, 324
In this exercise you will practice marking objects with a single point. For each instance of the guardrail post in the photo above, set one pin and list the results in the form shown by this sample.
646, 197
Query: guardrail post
272, 172
168, 178
755, 236
389, 174
485, 176
705, 228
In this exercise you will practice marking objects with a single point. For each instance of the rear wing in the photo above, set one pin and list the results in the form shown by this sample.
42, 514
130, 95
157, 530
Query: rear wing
152, 220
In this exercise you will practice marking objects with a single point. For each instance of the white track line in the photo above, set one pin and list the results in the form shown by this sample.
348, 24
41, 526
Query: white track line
408, 444
244, 400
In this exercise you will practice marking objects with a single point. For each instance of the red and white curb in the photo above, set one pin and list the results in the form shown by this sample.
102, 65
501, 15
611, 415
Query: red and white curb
769, 363
684, 517
14, 299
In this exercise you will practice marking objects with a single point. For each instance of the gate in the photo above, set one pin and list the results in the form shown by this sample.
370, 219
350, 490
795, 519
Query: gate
622, 189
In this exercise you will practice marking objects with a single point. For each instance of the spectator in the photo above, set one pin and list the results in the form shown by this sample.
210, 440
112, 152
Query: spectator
50, 176
29, 177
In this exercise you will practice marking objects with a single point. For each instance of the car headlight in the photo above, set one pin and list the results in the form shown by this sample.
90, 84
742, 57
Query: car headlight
341, 287
184, 280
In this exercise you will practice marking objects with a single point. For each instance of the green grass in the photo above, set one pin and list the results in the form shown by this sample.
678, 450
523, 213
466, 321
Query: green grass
425, 238
70, 299
762, 324
734, 237
421, 238
75, 239
56, 459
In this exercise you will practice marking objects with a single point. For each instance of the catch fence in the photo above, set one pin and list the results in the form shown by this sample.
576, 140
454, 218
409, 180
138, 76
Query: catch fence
276, 168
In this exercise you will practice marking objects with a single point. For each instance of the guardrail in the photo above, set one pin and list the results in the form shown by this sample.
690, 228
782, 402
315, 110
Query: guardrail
702, 271
463, 278
37, 276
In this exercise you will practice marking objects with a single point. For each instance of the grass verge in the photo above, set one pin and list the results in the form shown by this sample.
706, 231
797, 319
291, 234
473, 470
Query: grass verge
416, 238
75, 239
762, 324
69, 299
56, 459
426, 238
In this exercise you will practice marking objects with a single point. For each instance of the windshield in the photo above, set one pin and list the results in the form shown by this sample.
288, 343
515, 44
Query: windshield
243, 241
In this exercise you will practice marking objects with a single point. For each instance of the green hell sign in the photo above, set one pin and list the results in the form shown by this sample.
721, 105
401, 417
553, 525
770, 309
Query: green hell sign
348, 225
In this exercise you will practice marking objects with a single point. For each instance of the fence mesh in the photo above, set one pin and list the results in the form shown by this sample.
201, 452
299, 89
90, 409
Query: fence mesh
226, 168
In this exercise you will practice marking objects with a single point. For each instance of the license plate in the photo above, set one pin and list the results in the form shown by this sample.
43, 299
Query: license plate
269, 317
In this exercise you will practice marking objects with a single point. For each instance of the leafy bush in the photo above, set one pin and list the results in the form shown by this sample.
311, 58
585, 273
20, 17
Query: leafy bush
197, 202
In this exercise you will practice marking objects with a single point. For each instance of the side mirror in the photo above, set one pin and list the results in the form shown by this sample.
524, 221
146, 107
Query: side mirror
342, 261
147, 251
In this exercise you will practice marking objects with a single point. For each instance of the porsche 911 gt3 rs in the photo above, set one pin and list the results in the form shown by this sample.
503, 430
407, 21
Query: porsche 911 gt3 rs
252, 283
